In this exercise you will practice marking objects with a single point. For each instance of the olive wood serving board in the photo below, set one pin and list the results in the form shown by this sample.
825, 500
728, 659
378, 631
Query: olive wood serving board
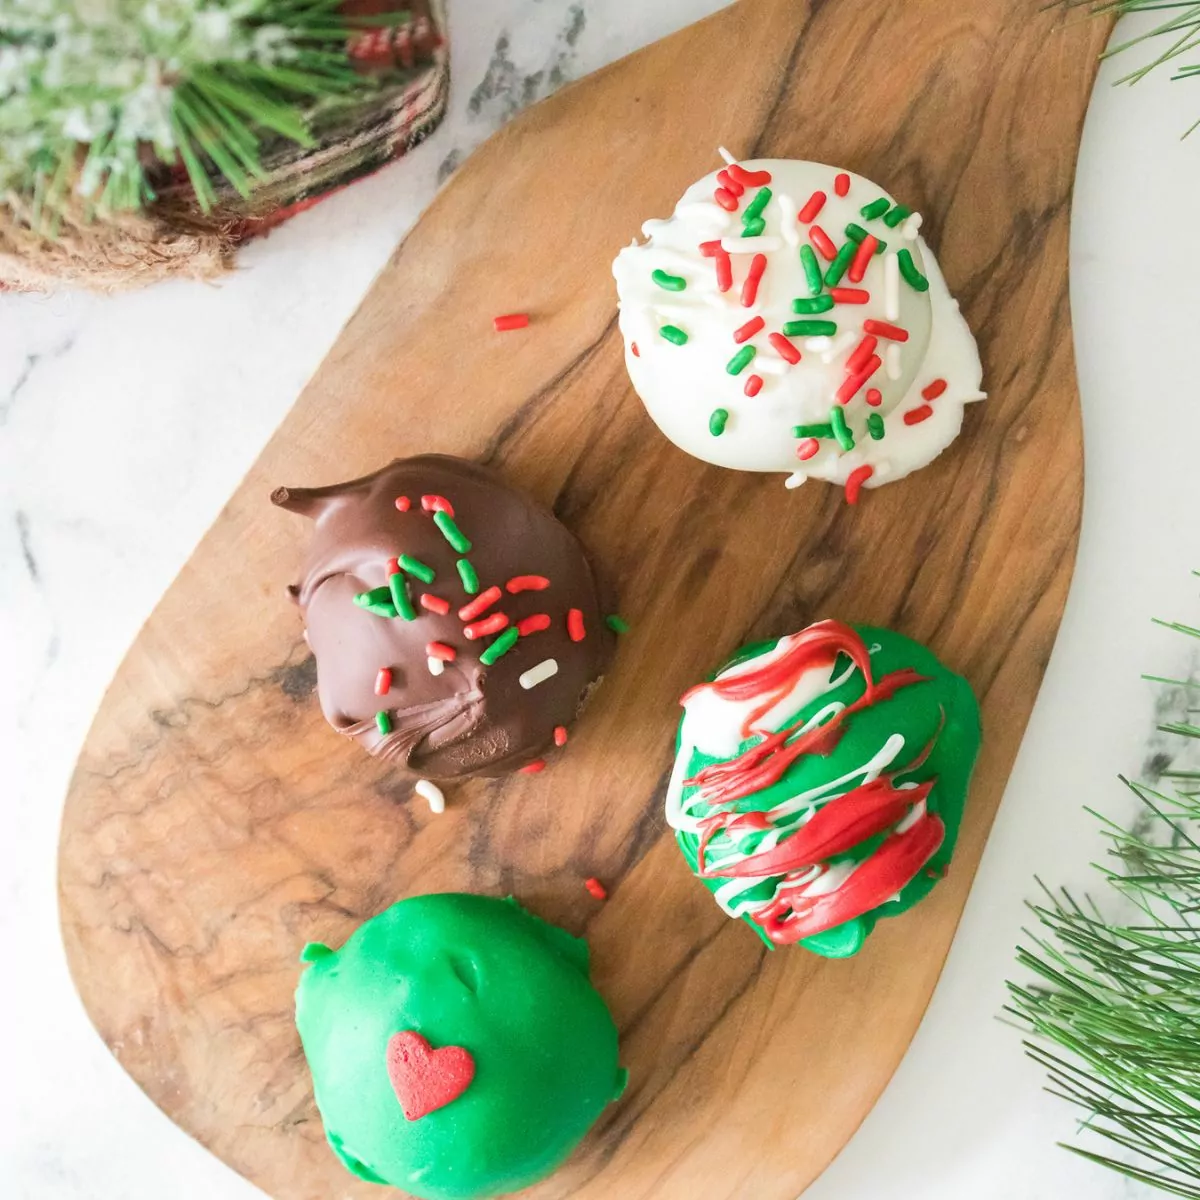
215, 823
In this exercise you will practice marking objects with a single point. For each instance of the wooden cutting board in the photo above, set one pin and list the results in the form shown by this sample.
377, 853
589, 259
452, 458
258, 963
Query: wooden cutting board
215, 824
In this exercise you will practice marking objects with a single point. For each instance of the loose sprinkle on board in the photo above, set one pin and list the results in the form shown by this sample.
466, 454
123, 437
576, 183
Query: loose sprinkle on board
909, 272
486, 627
480, 605
575, 630
596, 888
841, 184
466, 572
841, 431
403, 503
508, 321
674, 335
451, 532
668, 282
544, 670
534, 623
560, 735
812, 270
915, 416
716, 422
740, 361
855, 481
431, 794
435, 604
745, 332
526, 583
616, 623
753, 385
383, 723
416, 568
934, 390
810, 328
383, 681
538, 764
502, 645
812, 208
783, 347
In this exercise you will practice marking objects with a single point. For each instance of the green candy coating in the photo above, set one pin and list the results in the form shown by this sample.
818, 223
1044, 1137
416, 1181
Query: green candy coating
915, 712
467, 971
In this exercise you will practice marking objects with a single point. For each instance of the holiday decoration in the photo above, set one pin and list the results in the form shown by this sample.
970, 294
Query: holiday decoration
1115, 1006
139, 141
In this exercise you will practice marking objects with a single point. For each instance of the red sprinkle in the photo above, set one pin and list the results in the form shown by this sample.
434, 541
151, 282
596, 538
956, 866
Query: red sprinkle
442, 651
820, 239
855, 480
510, 321
383, 681
435, 603
730, 184
393, 567
596, 888
849, 295
437, 504
489, 625
748, 178
852, 383
862, 256
748, 330
711, 249
724, 271
861, 353
812, 207
538, 764
784, 348
884, 330
807, 448
533, 624
403, 503
841, 184
753, 385
480, 604
560, 735
758, 264
915, 416
934, 390
874, 397
636, 352
527, 583
726, 199
575, 629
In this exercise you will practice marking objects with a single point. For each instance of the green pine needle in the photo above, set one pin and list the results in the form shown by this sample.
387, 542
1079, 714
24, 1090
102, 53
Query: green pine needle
1114, 1006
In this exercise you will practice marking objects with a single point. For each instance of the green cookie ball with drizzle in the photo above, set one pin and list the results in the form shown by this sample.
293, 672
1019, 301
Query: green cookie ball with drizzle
819, 782
458, 1048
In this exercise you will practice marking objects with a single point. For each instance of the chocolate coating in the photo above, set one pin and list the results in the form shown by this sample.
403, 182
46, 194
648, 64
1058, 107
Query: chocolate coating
472, 719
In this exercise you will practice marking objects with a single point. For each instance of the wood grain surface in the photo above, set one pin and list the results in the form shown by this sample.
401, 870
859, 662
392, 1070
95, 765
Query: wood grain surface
215, 824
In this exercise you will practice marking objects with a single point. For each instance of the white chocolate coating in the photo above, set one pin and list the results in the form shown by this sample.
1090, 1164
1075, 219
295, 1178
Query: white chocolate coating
683, 385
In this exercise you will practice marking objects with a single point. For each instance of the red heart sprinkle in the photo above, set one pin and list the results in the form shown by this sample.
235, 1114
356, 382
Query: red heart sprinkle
425, 1079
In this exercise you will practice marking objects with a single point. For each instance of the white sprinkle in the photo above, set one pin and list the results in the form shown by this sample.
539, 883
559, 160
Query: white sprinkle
817, 344
911, 227
436, 666
891, 361
787, 218
794, 480
538, 674
431, 792
765, 364
891, 287
750, 245
726, 155
840, 344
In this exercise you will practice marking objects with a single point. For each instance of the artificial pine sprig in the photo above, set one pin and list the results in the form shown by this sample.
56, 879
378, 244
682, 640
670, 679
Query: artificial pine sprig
1115, 1011
96, 95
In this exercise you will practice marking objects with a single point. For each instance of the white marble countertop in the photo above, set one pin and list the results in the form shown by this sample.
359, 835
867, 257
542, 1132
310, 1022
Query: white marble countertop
125, 423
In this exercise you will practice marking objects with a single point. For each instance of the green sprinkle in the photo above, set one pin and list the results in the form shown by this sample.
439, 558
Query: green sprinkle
416, 568
673, 334
466, 573
875, 426
837, 268
898, 213
753, 210
739, 362
502, 645
669, 283
857, 232
841, 430
383, 722
399, 593
816, 304
753, 227
451, 532
816, 431
616, 624
876, 208
716, 423
810, 328
375, 599
912, 276
812, 270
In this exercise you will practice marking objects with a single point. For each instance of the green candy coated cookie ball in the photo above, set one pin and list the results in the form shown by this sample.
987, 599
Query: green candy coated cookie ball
506, 1054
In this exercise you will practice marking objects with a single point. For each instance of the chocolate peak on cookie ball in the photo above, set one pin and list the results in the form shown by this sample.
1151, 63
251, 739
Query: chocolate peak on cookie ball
789, 317
455, 623
819, 782
457, 1047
